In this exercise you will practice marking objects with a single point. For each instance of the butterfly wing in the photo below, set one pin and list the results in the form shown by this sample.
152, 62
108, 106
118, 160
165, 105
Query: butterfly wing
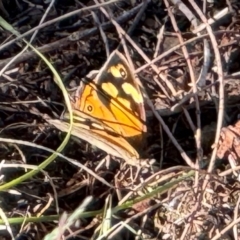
110, 109
114, 98
114, 145
89, 103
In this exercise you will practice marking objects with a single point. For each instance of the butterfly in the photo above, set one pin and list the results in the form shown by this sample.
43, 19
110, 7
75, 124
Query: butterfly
109, 110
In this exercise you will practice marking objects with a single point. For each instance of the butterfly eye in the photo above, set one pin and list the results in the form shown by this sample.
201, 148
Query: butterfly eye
122, 72
118, 71
90, 108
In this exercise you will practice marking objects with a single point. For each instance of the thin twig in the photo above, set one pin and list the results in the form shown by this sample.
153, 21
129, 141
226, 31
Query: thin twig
221, 84
65, 41
197, 133
32, 38
50, 22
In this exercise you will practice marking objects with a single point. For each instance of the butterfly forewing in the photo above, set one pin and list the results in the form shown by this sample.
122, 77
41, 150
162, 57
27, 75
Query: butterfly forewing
117, 81
90, 104
114, 98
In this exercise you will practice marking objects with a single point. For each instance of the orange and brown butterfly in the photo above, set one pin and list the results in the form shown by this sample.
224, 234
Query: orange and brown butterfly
112, 105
